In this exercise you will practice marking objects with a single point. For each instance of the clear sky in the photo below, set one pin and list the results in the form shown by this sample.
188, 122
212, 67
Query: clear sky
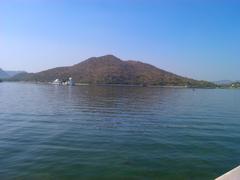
194, 38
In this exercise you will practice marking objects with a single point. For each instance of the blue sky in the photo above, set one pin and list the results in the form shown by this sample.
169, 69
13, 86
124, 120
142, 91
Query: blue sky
194, 38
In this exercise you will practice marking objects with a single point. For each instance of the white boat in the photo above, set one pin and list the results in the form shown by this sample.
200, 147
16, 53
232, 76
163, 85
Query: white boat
56, 82
231, 175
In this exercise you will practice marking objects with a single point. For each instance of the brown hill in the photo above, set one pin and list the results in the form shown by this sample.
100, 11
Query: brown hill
112, 70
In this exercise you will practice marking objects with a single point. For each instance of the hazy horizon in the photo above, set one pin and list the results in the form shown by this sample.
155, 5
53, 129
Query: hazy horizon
193, 39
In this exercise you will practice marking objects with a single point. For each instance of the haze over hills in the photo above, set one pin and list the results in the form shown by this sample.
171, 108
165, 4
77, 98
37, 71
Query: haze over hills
8, 74
3, 74
14, 73
225, 82
112, 70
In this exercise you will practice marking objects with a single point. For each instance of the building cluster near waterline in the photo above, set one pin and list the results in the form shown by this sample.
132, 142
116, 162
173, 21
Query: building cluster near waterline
69, 82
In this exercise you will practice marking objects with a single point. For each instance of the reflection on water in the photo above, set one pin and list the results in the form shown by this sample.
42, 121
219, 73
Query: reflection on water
106, 132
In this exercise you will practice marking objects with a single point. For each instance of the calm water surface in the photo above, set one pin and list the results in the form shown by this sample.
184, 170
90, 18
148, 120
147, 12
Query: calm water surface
97, 132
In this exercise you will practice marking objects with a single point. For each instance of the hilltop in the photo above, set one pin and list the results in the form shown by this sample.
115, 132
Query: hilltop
112, 70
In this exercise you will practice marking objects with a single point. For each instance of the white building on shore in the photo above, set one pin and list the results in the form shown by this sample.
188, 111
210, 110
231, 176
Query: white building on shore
69, 82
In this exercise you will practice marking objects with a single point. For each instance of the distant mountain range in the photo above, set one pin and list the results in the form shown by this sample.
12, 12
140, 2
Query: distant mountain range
225, 82
112, 70
9, 74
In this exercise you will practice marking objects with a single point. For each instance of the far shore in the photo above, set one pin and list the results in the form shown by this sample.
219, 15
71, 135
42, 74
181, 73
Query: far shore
128, 85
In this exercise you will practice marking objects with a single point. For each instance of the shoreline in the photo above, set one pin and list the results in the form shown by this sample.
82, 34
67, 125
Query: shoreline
124, 85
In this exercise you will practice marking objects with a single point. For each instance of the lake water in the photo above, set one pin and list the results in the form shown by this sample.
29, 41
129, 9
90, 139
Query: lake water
103, 132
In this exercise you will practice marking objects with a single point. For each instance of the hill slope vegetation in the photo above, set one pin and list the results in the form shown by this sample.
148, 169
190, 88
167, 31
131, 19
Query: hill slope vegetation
112, 70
